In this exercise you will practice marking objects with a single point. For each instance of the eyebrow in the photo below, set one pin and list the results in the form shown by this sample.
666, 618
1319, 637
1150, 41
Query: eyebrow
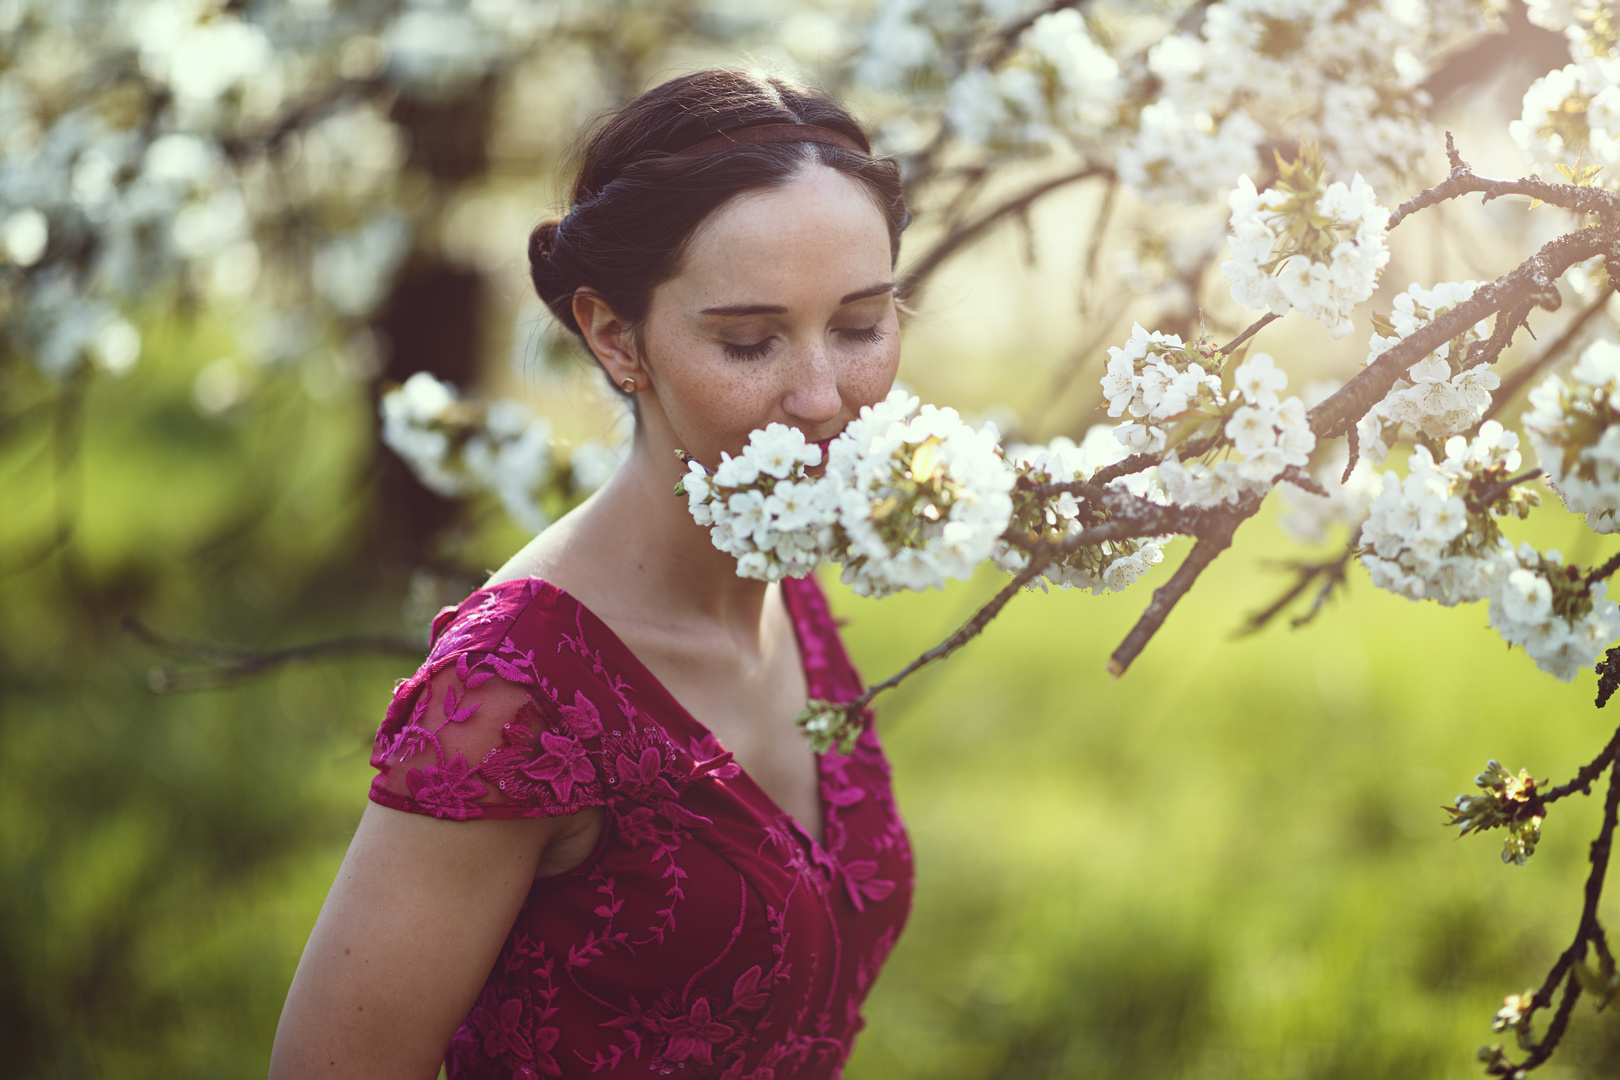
777, 309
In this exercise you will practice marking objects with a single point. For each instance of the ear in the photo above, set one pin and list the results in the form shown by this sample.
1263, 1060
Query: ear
608, 337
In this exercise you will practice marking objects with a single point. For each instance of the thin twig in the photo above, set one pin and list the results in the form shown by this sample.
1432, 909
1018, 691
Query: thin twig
1515, 379
67, 410
1074, 364
1005, 40
1463, 181
228, 664
1254, 328
964, 634
1584, 777
1508, 321
1333, 573
1165, 597
919, 272
1099, 227
1604, 572
1138, 462
1482, 503
1586, 931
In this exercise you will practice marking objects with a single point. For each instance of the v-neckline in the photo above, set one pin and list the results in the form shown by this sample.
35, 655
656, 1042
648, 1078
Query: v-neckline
644, 673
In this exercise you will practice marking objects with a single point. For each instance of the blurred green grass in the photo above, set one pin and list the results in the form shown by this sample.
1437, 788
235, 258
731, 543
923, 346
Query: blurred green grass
1229, 862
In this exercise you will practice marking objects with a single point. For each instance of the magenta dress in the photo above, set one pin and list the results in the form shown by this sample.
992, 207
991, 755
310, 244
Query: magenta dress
709, 934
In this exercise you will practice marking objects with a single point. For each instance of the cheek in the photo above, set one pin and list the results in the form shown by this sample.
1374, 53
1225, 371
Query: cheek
870, 380
704, 395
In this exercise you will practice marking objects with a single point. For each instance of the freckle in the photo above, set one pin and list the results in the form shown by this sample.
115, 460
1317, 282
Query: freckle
362, 1008
345, 952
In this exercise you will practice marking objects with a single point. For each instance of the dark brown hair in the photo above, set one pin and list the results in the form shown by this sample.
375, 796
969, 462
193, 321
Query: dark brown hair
636, 203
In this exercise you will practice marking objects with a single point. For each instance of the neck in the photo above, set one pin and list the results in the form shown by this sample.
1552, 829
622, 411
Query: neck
638, 531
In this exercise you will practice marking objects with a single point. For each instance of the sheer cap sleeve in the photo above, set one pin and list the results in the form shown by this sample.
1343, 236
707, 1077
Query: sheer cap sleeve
480, 731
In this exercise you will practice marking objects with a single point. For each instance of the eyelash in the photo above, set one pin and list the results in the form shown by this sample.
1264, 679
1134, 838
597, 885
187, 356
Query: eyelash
869, 335
756, 351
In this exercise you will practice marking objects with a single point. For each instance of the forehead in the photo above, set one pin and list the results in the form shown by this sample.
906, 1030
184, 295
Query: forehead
806, 238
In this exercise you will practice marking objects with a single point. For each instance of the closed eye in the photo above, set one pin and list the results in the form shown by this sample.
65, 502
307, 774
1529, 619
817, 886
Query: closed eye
757, 351
867, 334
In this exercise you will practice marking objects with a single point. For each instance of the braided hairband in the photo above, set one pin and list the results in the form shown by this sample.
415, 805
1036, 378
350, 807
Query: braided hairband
769, 133
758, 133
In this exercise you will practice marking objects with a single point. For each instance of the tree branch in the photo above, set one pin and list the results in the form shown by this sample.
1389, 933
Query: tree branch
1515, 379
1462, 181
1224, 523
225, 665
964, 634
918, 273
1604, 572
1333, 575
1588, 931
1481, 503
1532, 278
1254, 328
1005, 40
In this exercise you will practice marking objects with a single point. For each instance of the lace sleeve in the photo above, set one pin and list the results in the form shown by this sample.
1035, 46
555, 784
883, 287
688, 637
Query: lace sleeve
473, 736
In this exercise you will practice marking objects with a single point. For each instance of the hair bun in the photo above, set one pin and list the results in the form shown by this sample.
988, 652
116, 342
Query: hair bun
552, 282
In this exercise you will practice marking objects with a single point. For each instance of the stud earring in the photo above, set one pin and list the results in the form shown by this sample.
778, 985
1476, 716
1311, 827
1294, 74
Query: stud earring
629, 384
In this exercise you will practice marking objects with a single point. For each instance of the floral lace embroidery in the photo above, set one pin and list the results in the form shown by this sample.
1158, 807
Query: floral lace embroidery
710, 935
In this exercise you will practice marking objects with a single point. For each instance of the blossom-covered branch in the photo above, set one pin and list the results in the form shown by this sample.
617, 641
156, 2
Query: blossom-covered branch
1533, 278
1571, 970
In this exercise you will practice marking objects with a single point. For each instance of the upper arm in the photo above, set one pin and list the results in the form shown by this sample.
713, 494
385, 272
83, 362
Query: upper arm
478, 788
407, 936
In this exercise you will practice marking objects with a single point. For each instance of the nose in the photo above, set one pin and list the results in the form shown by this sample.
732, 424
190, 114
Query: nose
812, 396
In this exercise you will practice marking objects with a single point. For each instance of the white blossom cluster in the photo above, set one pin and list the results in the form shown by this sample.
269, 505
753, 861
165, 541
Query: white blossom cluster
1179, 155
1265, 435
909, 499
458, 448
1439, 397
923, 497
1306, 245
1059, 83
241, 155
1155, 378
114, 179
1551, 611
1345, 75
1421, 540
760, 506
1186, 116
1106, 567
1574, 427
1589, 25
1431, 536
1571, 118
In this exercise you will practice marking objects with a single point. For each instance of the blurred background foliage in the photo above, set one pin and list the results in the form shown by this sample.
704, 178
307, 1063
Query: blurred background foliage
1229, 864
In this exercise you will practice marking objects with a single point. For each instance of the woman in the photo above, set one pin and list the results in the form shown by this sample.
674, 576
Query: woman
597, 845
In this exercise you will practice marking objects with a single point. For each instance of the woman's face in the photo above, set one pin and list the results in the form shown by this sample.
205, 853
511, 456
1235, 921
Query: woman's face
783, 311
